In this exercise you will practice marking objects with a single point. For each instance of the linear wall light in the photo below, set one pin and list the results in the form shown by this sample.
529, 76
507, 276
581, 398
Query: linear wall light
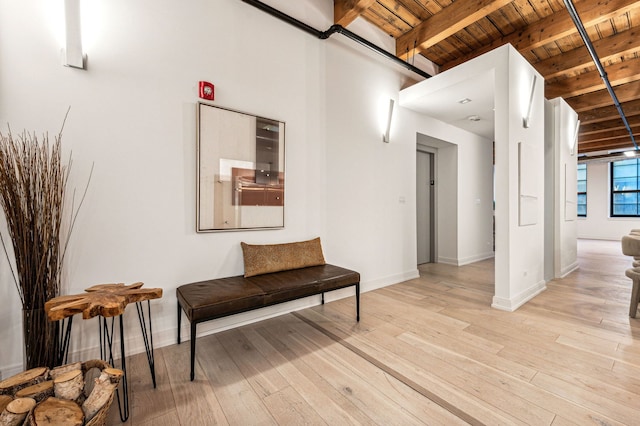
385, 136
526, 121
72, 55
574, 142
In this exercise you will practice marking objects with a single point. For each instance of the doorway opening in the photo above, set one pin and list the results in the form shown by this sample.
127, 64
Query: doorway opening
425, 205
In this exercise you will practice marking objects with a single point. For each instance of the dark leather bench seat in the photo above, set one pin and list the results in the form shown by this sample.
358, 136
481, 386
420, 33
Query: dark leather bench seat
211, 299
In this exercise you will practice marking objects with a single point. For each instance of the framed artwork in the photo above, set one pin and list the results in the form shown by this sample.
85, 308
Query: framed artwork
240, 170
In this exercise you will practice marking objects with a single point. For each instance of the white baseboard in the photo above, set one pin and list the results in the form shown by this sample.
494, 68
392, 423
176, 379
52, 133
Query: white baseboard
448, 260
476, 258
569, 269
523, 297
466, 260
389, 280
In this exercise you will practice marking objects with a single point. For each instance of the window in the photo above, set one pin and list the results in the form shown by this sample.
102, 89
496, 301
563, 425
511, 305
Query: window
582, 190
624, 188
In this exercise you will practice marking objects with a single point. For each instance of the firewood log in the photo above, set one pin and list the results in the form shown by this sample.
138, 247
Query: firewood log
58, 412
39, 391
16, 411
69, 385
4, 400
102, 390
64, 368
21, 380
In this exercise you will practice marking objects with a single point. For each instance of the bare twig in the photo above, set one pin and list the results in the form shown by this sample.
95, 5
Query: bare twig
33, 181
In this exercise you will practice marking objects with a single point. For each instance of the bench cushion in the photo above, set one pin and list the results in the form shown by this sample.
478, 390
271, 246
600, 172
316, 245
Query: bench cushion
296, 283
267, 258
216, 298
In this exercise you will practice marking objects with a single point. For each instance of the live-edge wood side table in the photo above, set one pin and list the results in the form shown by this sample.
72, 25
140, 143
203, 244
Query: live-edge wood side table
107, 301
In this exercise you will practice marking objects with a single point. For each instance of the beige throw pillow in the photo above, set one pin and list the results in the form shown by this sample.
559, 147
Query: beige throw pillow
266, 258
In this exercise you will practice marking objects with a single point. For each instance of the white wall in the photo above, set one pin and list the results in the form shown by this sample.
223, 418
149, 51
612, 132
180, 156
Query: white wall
364, 176
549, 190
475, 201
133, 115
598, 225
519, 247
565, 189
561, 251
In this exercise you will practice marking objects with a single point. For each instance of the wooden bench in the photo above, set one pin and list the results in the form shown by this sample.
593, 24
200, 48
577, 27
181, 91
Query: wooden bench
211, 299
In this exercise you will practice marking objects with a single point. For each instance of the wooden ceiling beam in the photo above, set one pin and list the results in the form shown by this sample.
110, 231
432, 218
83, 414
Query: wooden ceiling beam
601, 98
613, 47
604, 126
553, 27
619, 74
596, 115
443, 24
346, 11
608, 135
614, 144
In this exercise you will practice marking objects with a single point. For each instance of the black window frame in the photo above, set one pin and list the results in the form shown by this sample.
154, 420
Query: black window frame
613, 192
582, 192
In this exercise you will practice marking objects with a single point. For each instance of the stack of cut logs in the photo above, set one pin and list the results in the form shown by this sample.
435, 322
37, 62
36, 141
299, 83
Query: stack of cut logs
57, 397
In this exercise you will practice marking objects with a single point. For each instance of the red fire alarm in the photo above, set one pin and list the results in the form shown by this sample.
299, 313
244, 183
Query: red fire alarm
206, 90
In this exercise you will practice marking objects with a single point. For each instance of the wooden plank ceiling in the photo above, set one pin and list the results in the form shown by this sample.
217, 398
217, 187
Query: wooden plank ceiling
451, 32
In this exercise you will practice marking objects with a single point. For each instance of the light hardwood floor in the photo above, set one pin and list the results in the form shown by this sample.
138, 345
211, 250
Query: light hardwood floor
426, 351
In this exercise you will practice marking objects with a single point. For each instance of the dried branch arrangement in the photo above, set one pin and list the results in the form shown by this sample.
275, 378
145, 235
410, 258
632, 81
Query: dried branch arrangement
32, 186
33, 179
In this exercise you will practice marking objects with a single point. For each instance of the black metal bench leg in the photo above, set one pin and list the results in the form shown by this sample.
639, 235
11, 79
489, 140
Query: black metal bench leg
322, 298
358, 302
193, 349
179, 320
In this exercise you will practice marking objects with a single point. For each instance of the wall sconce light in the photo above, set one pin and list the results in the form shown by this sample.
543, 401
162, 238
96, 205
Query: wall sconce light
385, 136
574, 142
72, 55
526, 122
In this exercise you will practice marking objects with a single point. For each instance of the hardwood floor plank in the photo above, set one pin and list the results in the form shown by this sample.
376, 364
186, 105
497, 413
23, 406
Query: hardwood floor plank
523, 389
196, 402
346, 380
488, 385
423, 377
540, 348
167, 419
457, 345
289, 408
326, 406
387, 309
590, 399
607, 349
251, 363
148, 403
399, 392
239, 402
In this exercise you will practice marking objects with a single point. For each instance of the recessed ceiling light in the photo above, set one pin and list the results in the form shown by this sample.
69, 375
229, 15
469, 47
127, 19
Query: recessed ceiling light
473, 118
464, 101
630, 153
